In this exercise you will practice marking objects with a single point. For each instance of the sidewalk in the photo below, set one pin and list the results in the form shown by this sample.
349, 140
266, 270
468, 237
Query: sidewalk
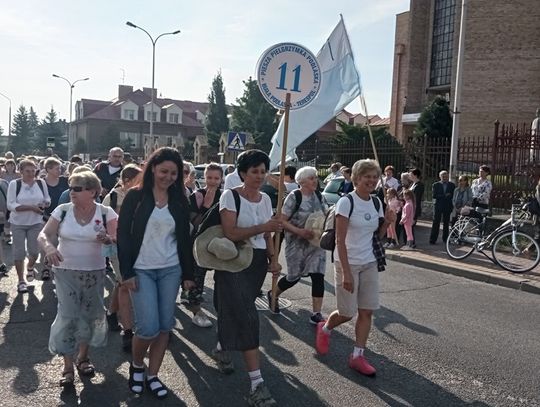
475, 267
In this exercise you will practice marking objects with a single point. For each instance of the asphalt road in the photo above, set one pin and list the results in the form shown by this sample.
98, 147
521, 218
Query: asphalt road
438, 340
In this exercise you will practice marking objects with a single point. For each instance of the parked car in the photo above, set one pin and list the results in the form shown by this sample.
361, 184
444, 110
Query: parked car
332, 190
199, 173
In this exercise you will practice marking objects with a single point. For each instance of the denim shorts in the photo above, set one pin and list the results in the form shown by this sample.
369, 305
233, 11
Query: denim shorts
154, 301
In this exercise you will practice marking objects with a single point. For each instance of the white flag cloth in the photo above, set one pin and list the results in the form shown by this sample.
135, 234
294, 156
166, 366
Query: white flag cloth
340, 85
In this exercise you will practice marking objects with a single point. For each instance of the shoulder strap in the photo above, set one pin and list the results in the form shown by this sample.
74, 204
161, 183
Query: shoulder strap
114, 199
298, 201
3, 193
40, 185
376, 202
352, 204
236, 196
19, 186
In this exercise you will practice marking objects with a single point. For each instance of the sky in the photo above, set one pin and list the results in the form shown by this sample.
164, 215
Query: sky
78, 39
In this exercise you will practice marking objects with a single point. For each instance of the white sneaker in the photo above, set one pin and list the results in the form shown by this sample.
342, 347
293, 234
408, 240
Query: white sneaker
201, 320
386, 245
391, 246
407, 248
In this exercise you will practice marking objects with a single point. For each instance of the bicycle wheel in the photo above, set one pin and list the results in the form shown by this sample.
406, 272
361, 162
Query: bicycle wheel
460, 243
516, 255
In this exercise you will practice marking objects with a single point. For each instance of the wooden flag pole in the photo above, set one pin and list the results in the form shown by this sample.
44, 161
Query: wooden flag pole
277, 235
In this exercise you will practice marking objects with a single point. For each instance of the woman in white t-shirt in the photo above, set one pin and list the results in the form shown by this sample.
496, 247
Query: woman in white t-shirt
26, 199
235, 293
358, 257
82, 227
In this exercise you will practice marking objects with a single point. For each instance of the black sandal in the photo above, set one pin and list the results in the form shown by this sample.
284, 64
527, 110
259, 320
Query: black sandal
132, 382
155, 391
45, 275
68, 378
89, 370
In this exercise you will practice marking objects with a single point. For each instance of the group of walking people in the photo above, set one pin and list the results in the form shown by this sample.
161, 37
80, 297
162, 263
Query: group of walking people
145, 230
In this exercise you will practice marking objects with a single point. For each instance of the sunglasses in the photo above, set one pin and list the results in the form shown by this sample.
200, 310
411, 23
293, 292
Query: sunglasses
78, 189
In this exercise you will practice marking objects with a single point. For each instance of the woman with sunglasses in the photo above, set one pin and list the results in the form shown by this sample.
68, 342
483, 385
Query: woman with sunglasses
155, 255
81, 227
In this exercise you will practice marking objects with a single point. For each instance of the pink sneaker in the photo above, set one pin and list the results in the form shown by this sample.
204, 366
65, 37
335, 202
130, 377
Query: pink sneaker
322, 340
361, 365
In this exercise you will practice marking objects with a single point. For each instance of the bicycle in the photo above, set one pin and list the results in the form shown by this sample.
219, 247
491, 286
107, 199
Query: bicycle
511, 249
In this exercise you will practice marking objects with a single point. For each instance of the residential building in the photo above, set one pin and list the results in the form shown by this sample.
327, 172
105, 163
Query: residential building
501, 65
127, 119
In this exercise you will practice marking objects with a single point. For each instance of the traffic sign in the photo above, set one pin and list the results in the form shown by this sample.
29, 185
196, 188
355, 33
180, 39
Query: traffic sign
51, 142
236, 141
289, 68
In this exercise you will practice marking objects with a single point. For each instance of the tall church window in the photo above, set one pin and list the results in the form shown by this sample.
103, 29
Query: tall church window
443, 42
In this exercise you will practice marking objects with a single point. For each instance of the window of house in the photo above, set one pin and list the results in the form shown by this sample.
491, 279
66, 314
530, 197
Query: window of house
442, 42
154, 117
173, 117
129, 114
131, 138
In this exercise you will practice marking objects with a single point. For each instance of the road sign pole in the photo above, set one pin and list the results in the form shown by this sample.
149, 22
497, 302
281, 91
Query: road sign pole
281, 191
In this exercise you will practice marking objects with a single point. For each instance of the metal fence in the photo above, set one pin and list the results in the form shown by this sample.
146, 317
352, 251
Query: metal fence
513, 154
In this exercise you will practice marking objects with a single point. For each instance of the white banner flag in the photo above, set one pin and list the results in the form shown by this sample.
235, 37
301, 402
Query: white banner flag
340, 85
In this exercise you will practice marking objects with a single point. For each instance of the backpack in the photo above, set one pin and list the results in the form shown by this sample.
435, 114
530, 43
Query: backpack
328, 237
114, 199
212, 216
298, 199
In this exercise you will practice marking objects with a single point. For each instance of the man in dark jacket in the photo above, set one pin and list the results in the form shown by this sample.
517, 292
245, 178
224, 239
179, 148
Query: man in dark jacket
109, 171
443, 191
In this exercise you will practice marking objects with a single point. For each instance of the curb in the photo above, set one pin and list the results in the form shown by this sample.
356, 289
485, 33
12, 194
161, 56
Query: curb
517, 282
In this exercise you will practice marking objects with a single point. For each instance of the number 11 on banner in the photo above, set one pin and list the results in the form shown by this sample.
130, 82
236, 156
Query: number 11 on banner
283, 78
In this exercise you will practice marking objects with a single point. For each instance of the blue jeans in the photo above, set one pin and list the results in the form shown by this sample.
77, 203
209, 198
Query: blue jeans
154, 300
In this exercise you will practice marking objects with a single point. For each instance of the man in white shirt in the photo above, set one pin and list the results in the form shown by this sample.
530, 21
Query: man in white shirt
232, 180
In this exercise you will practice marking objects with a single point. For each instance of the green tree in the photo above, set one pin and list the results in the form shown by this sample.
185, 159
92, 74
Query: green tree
216, 118
108, 140
255, 115
33, 120
50, 128
435, 120
20, 131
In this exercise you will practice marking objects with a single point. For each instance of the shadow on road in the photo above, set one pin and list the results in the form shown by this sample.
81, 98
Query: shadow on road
385, 317
394, 384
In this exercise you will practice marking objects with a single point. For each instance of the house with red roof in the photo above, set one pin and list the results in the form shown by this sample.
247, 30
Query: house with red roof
126, 120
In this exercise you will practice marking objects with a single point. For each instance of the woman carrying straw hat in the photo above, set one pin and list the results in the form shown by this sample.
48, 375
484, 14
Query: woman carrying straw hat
235, 293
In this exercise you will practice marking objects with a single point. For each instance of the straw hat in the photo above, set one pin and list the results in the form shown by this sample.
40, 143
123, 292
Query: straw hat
315, 223
213, 251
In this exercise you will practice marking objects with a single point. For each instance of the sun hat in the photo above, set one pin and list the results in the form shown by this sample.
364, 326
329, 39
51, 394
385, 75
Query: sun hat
213, 251
315, 223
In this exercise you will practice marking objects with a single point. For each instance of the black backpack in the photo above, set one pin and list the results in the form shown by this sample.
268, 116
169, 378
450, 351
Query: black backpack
212, 217
298, 199
328, 237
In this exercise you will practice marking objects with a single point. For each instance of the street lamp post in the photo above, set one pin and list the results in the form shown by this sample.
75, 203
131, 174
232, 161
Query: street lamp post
130, 24
9, 119
71, 86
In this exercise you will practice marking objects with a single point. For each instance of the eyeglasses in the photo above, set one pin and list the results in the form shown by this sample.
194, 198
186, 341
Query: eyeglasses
78, 189
117, 156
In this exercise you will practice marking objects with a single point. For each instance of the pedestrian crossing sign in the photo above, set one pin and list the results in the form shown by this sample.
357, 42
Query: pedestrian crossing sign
236, 141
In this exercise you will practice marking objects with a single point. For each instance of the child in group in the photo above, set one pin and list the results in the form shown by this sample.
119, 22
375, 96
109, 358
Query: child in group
395, 205
407, 218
